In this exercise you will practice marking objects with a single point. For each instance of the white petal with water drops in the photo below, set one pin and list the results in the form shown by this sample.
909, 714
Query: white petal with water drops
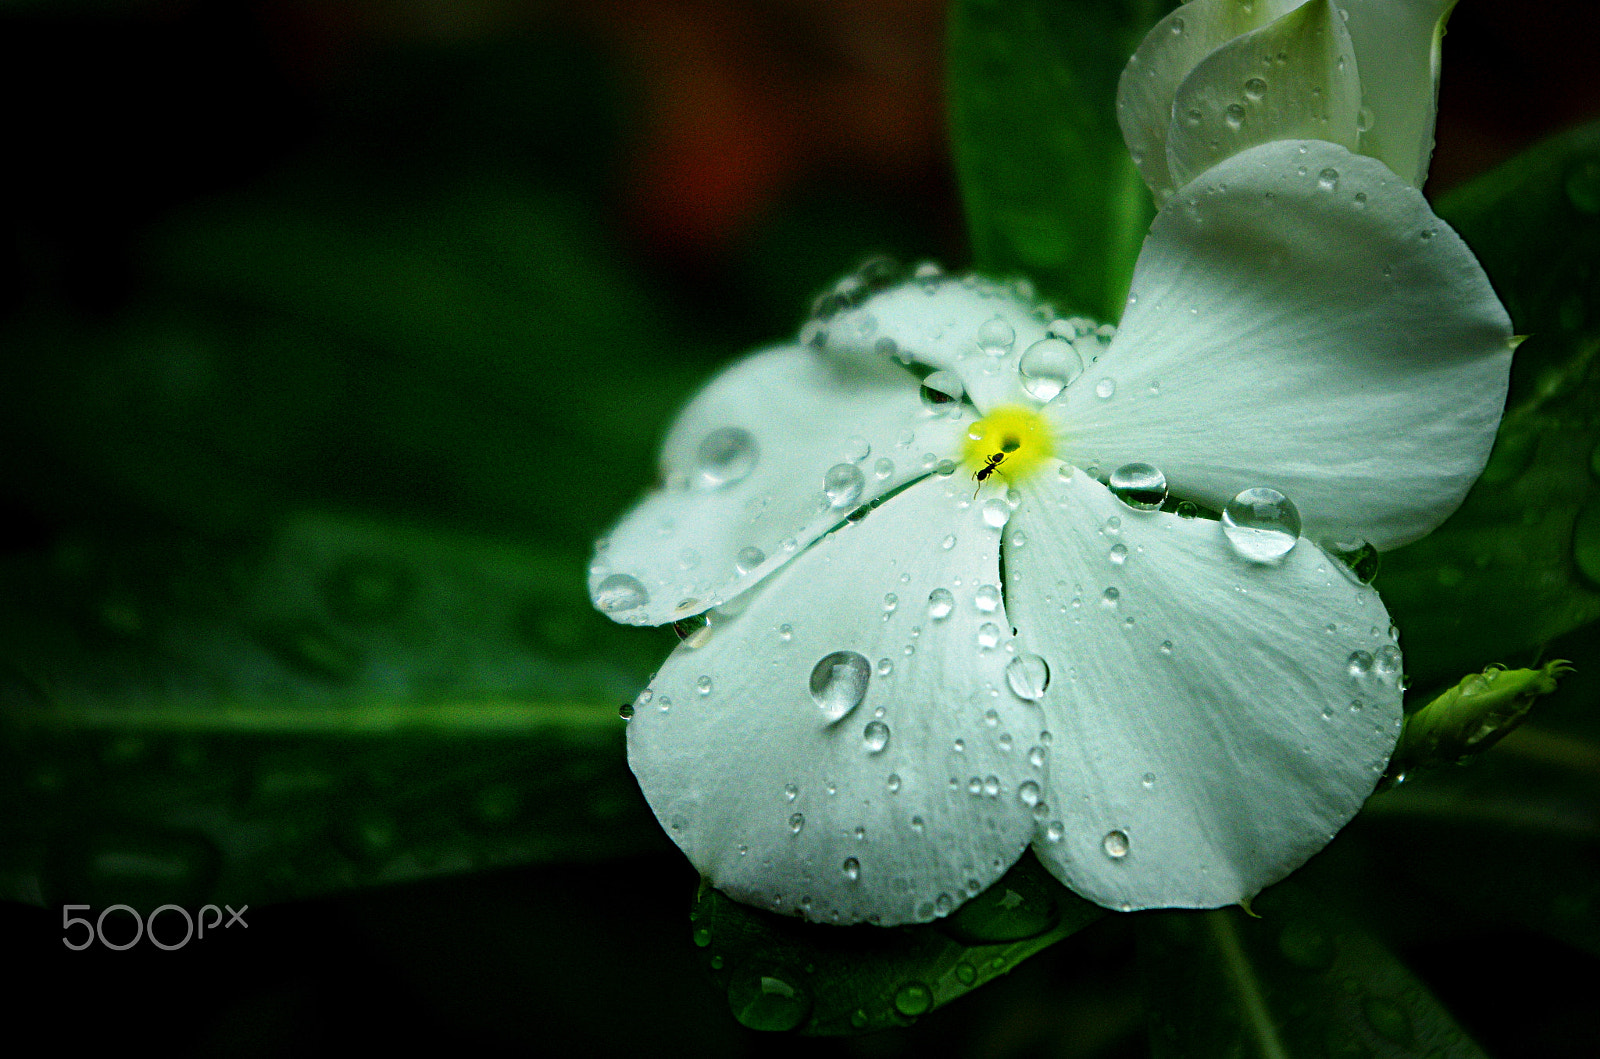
972, 328
1173, 48
758, 465
1294, 79
802, 714
1230, 716
1356, 360
1397, 50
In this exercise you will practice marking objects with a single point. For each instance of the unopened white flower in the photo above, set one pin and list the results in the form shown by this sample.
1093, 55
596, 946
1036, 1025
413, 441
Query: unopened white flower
935, 638
1217, 77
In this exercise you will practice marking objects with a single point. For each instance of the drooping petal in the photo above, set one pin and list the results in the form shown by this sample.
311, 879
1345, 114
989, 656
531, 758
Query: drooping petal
1213, 721
770, 455
1173, 48
843, 748
1293, 79
1300, 319
973, 328
1397, 47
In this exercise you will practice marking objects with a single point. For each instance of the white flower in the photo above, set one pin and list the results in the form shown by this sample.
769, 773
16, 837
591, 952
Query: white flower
1217, 77
885, 711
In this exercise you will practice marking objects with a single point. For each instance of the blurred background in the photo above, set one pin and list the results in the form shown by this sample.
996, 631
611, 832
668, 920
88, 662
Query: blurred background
367, 310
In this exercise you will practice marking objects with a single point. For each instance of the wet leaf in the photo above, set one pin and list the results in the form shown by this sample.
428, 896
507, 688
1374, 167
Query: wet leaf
781, 973
1049, 189
1519, 564
358, 703
1296, 981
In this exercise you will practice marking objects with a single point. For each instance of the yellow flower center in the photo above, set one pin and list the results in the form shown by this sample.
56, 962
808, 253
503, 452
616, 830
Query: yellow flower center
1010, 441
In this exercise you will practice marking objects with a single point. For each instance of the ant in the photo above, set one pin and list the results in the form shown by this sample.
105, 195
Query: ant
991, 464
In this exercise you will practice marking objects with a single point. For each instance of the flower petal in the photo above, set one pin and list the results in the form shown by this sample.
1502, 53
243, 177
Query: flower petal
974, 327
1301, 320
770, 774
747, 468
1204, 738
1294, 79
1397, 47
1171, 49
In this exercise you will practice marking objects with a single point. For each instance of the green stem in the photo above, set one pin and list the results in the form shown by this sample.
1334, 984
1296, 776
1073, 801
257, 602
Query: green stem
1245, 984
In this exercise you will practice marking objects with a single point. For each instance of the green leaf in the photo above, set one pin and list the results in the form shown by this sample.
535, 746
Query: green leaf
1049, 189
359, 703
1519, 564
1294, 982
782, 973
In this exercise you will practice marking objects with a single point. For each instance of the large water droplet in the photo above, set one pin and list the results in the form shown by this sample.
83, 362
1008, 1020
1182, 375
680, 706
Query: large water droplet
1029, 676
986, 598
1115, 844
940, 603
843, 484
771, 1003
914, 998
1262, 524
725, 456
839, 683
996, 337
942, 390
1049, 366
875, 737
1139, 485
620, 592
996, 512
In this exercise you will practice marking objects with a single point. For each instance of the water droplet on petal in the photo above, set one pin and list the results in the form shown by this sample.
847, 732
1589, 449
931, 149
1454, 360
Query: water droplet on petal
620, 592
1139, 485
1119, 554
1328, 179
1255, 88
1115, 844
987, 598
875, 737
839, 683
796, 823
1234, 116
940, 603
1029, 676
1262, 524
852, 869
996, 337
1105, 388
725, 457
988, 636
748, 559
703, 685
843, 484
883, 468
942, 390
857, 448
1049, 366
1028, 793
996, 512
1359, 663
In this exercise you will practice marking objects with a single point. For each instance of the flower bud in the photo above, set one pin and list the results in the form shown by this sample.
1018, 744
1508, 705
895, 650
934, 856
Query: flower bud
1472, 716
1217, 77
